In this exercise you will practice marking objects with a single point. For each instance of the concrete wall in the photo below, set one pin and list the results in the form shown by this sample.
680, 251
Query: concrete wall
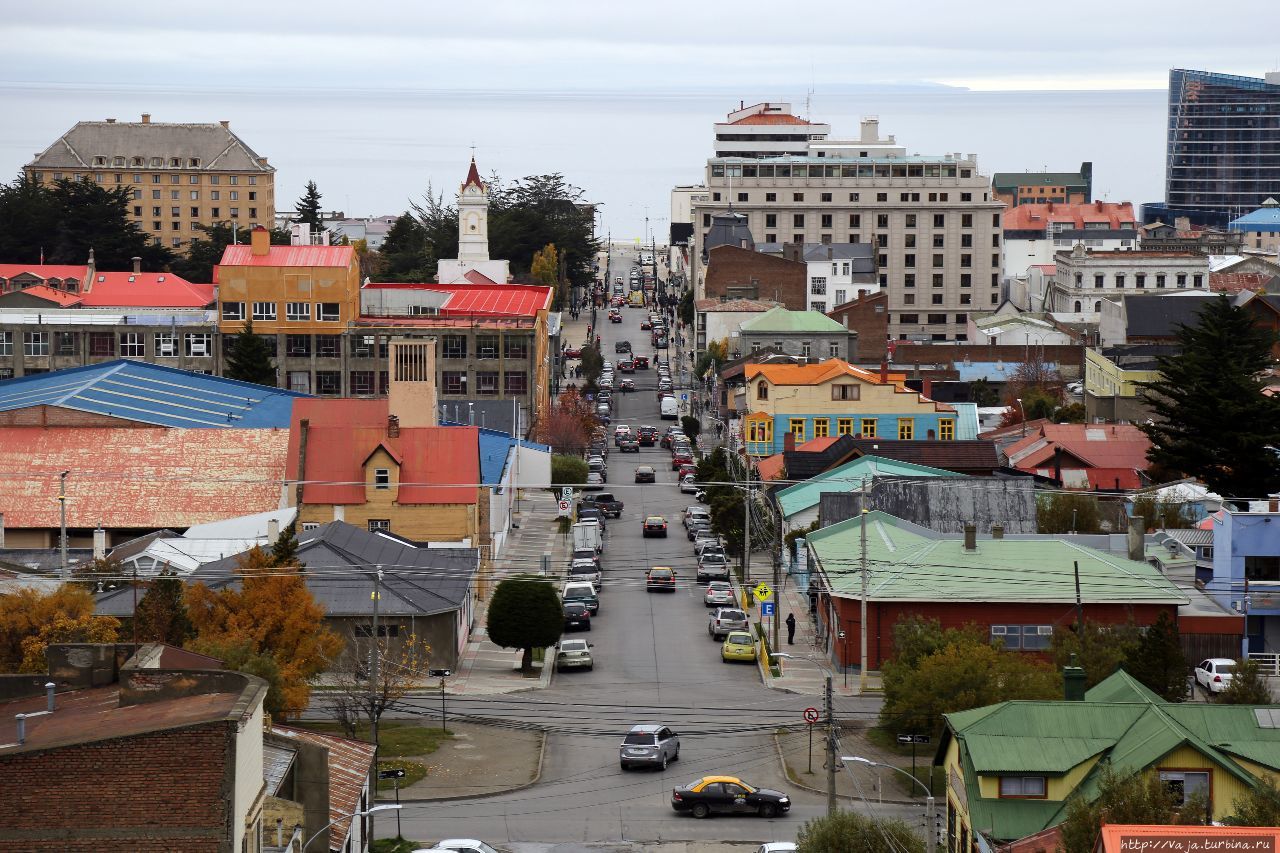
943, 505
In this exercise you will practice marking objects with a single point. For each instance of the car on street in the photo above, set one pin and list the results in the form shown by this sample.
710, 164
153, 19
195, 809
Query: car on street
573, 352
689, 484
627, 385
699, 530
739, 646
655, 525
626, 366
574, 654
629, 445
606, 502
693, 512
595, 482
646, 325
602, 413
1214, 674
728, 620
645, 473
719, 594
660, 579
728, 795
713, 566
1076, 388
459, 845
595, 465
585, 554
642, 362
619, 431
576, 615
614, 315
777, 847
583, 593
622, 346
706, 541
586, 570
669, 436
649, 745
681, 457
686, 470
648, 436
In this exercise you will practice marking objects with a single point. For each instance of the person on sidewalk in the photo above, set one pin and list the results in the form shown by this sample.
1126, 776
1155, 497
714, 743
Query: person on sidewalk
791, 629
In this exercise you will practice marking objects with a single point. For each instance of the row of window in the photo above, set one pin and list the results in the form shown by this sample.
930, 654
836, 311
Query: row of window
806, 347
176, 210
107, 344
762, 430
1121, 280
486, 346
326, 312
487, 383
910, 220
194, 195
1180, 783
930, 319
845, 170
828, 198
100, 177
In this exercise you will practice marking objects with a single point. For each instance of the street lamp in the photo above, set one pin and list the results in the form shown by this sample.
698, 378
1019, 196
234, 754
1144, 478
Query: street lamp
931, 832
1024, 416
368, 811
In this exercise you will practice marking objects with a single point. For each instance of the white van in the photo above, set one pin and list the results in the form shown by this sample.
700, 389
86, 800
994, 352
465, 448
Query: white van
670, 408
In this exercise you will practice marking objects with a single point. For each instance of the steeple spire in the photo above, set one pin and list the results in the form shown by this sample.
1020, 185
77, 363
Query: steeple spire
473, 176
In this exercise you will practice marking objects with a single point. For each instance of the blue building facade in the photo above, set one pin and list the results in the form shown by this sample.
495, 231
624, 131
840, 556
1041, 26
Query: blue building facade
1246, 574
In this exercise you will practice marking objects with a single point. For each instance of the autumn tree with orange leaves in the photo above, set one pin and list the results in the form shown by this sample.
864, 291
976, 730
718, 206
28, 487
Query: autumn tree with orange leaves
272, 623
30, 620
567, 427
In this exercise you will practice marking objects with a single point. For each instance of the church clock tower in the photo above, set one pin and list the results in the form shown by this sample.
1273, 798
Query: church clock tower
473, 218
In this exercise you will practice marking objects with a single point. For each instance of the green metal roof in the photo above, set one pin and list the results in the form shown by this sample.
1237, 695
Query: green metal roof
910, 563
1008, 180
783, 320
1054, 755
850, 477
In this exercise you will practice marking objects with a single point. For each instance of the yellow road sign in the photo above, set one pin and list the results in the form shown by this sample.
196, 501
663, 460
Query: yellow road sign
763, 592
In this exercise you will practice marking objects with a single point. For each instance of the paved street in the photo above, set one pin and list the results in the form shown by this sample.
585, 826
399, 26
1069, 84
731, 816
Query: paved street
654, 663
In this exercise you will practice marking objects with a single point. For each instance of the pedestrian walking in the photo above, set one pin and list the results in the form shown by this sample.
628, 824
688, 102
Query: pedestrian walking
791, 629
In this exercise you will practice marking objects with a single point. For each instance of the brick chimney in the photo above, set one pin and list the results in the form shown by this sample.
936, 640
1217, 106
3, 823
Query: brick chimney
146, 118
260, 241
788, 441
926, 388
393, 426
971, 537
137, 264
884, 370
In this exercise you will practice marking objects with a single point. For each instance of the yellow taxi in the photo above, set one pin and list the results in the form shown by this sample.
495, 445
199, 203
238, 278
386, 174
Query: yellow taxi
739, 646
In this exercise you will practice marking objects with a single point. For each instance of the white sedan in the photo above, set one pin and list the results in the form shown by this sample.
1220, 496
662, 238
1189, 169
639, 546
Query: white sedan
689, 484
1214, 674
458, 845
574, 654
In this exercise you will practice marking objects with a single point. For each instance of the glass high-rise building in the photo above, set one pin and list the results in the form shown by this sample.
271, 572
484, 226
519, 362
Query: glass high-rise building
1223, 151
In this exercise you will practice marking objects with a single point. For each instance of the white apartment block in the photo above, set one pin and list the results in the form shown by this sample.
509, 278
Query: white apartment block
766, 130
1083, 278
837, 273
934, 221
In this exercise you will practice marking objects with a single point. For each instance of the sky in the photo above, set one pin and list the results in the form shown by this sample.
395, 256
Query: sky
375, 101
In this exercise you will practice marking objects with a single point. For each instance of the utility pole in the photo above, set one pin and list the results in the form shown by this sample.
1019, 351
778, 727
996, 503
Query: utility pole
862, 629
831, 752
1079, 602
62, 511
777, 581
930, 825
373, 692
746, 528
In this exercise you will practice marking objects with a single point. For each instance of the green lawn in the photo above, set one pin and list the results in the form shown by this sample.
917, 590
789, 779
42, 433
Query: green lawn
413, 772
395, 845
395, 739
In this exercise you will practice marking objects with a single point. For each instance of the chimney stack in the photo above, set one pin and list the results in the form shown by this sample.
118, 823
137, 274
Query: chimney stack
99, 543
225, 123
146, 118
997, 531
971, 537
884, 370
259, 242
926, 388
1137, 541
111, 121
788, 441
1073, 682
137, 264
393, 426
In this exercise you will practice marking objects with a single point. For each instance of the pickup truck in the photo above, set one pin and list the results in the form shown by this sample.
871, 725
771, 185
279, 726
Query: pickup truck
606, 503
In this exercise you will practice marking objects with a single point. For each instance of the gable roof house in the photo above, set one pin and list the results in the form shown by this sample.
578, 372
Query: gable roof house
1014, 768
1099, 457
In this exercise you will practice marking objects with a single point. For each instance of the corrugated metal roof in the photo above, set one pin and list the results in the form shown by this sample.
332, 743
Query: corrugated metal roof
241, 255
50, 294
139, 478
350, 764
145, 290
908, 566
153, 394
848, 478
45, 271
277, 758
520, 300
783, 320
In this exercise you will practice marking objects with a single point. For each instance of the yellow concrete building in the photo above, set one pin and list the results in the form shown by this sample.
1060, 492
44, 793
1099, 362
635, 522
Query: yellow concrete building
1013, 768
1111, 380
178, 175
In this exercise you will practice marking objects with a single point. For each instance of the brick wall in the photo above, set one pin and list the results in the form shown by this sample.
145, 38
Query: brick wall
55, 416
869, 317
910, 354
735, 273
159, 792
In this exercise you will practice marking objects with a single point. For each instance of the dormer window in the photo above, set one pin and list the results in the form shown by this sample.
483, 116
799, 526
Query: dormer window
155, 162
382, 478
762, 391
99, 161
175, 162
137, 161
118, 161
193, 162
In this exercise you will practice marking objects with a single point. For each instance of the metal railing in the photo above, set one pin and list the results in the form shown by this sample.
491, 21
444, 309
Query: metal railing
1268, 662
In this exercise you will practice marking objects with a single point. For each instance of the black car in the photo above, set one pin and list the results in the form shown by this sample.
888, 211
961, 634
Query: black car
622, 346
576, 615
728, 795
648, 436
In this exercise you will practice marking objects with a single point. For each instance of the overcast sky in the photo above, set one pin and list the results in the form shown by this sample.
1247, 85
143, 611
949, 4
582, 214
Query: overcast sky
78, 60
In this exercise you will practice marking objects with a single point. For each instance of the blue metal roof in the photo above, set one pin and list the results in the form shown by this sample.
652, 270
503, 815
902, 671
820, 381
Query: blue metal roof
153, 394
495, 446
1264, 219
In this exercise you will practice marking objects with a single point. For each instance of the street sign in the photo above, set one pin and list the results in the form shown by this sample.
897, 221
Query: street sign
767, 608
811, 715
564, 507
684, 397
566, 493
913, 738
763, 592
398, 773
590, 397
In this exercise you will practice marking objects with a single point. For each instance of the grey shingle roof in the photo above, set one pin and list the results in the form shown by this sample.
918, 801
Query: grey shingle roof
1159, 316
842, 252
215, 147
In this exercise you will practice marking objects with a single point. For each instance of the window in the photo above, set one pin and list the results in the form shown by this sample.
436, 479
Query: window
939, 220
166, 344
6, 343
35, 343
215, 195
300, 381
298, 311
1120, 280
379, 524
1099, 280
845, 391
797, 196
909, 280
1262, 568
1182, 279
818, 285
855, 221
515, 347
762, 390
908, 299
796, 427
487, 383
826, 196
297, 345
199, 344
906, 429
966, 220
515, 383
328, 312
760, 430
361, 382
487, 348
1027, 638
833, 350
821, 427
882, 196
797, 220
382, 479
1022, 786
329, 346
233, 311
1186, 784
867, 427
771, 220
770, 196
844, 426
946, 429
742, 196
132, 345
454, 381
264, 311
329, 382
454, 346
882, 220
1197, 280
1160, 278
825, 221
938, 261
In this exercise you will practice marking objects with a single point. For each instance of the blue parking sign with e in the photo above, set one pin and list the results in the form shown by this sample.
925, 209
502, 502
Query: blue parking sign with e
684, 396
766, 608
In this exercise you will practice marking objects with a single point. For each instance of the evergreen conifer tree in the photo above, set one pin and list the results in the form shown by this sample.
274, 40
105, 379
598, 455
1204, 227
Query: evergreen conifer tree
307, 209
249, 360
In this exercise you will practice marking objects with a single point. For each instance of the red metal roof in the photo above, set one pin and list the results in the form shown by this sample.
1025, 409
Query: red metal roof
45, 271
1035, 217
481, 299
143, 478
349, 764
1113, 450
59, 297
288, 256
1237, 282
146, 290
473, 176
441, 465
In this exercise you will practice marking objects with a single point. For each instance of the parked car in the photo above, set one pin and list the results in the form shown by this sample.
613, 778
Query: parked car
1214, 674
719, 594
652, 745
587, 570
660, 579
605, 502
708, 541
583, 593
645, 474
726, 620
738, 646
595, 482
655, 525
574, 654
689, 484
681, 457
585, 554
576, 615
458, 845
694, 512
713, 566
728, 795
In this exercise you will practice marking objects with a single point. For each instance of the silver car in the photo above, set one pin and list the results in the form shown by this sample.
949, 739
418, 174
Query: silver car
574, 654
719, 594
652, 745
727, 619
